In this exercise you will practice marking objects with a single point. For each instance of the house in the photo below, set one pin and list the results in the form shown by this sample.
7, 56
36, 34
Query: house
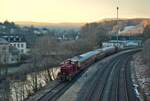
14, 56
122, 43
132, 30
17, 41
4, 51
8, 54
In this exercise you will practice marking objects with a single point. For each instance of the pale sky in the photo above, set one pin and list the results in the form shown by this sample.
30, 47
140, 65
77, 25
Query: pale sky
71, 10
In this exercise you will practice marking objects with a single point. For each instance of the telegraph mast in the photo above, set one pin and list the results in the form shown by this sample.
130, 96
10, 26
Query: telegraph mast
117, 34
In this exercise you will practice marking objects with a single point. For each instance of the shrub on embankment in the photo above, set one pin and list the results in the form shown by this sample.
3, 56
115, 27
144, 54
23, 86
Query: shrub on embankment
146, 52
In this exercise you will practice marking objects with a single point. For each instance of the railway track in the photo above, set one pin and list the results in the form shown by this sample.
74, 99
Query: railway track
52, 93
112, 82
59, 89
97, 84
119, 88
101, 87
123, 89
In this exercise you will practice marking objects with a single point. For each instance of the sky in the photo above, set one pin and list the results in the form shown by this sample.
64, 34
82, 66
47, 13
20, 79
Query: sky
71, 10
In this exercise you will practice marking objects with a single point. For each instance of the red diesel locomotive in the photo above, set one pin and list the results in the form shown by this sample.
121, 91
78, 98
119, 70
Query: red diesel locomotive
70, 67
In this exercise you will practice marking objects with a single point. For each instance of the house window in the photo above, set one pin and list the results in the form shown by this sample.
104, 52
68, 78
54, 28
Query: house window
8, 39
14, 39
22, 45
22, 51
19, 39
5, 60
18, 45
12, 59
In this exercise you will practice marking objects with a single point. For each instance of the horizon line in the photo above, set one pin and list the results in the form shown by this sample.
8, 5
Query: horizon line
103, 19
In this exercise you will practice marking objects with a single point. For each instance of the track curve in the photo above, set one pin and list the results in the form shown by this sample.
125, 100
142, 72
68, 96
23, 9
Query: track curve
111, 83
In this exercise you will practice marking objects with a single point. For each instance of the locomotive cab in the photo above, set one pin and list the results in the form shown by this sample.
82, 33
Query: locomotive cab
68, 69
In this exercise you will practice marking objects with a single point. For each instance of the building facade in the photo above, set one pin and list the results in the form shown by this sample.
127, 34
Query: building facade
16, 41
123, 43
8, 54
4, 51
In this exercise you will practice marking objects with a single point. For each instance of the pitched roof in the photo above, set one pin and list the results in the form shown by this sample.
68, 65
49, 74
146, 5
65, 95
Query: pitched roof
3, 41
13, 37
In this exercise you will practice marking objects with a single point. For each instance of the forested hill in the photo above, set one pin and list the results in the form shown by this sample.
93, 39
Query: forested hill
126, 26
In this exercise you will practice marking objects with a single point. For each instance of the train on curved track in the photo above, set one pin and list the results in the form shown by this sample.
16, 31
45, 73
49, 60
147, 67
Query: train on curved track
70, 67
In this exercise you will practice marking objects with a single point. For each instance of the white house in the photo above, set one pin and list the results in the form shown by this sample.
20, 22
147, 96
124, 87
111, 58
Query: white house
16, 41
122, 43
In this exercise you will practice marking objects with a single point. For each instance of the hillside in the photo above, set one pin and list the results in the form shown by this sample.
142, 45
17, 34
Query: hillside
125, 26
51, 25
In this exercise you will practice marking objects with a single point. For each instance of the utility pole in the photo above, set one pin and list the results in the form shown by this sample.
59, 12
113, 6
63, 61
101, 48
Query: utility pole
117, 34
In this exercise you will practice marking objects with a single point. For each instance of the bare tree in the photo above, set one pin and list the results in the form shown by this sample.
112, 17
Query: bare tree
146, 33
46, 53
93, 34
